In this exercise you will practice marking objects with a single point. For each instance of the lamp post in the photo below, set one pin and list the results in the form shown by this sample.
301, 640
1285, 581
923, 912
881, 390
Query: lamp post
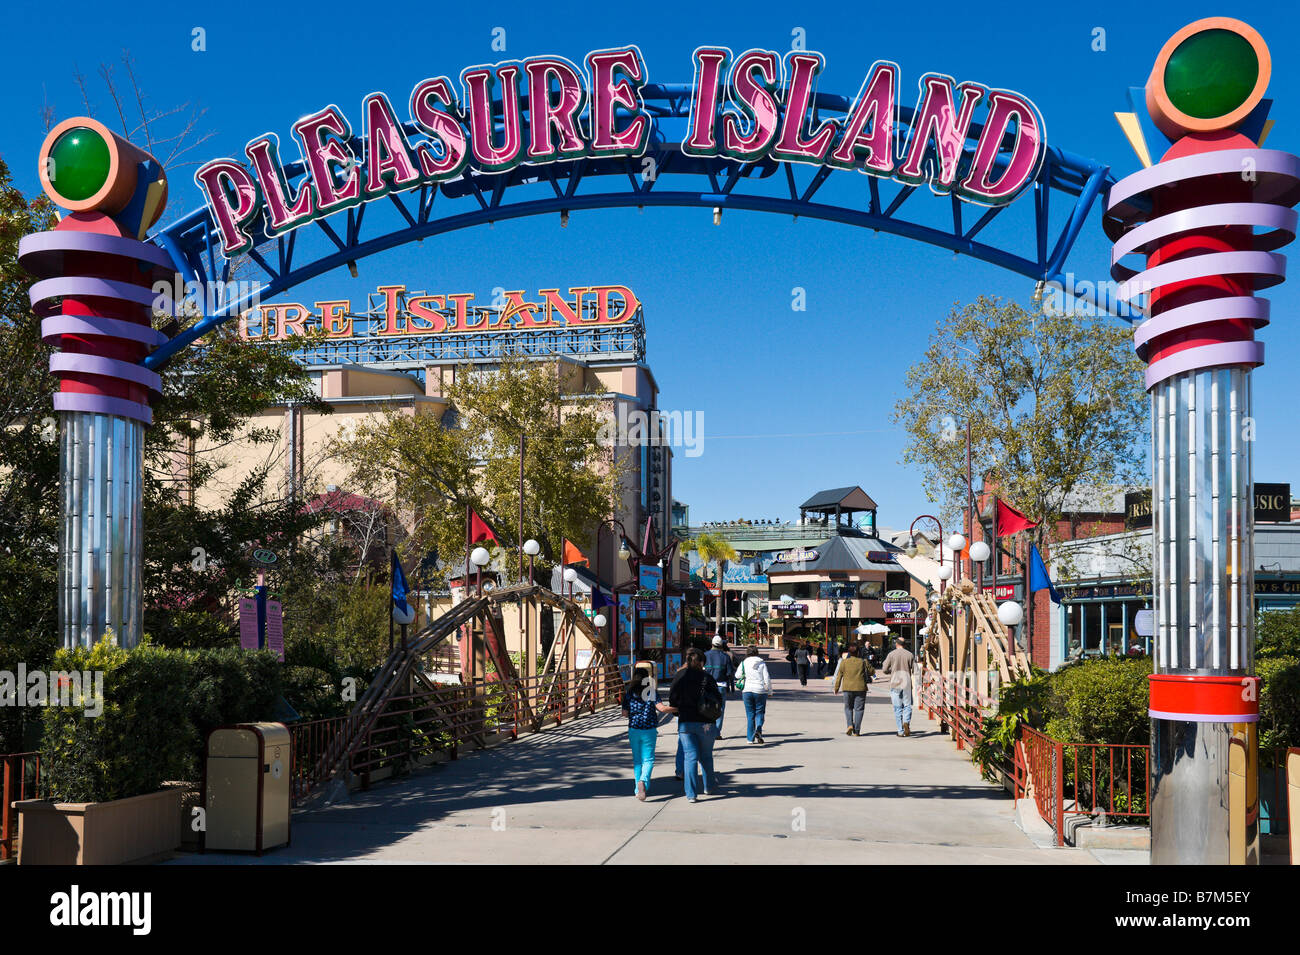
979, 552
912, 550
479, 559
532, 549
957, 543
570, 575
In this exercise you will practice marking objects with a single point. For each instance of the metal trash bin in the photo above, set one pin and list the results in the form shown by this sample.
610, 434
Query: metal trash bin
246, 787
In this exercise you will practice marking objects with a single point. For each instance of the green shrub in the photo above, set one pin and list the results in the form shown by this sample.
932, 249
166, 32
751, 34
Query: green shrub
142, 738
232, 686
1099, 701
158, 708
314, 693
1279, 703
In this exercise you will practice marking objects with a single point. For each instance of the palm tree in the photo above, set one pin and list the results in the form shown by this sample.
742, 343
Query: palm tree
717, 550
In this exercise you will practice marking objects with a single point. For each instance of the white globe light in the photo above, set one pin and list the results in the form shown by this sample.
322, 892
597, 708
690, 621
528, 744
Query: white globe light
599, 620
480, 557
532, 548
570, 575
945, 572
979, 552
403, 614
1010, 613
957, 542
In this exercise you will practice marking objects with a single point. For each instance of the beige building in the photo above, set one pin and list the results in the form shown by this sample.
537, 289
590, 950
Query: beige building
368, 374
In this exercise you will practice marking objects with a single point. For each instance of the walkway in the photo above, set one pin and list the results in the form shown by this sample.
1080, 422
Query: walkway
811, 795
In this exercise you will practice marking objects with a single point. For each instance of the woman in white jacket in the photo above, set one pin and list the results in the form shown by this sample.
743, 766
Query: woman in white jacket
752, 678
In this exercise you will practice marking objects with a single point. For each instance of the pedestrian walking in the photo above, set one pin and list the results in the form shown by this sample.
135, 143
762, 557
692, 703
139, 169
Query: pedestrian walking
801, 659
695, 700
719, 665
731, 676
852, 680
755, 684
789, 658
898, 665
821, 660
640, 699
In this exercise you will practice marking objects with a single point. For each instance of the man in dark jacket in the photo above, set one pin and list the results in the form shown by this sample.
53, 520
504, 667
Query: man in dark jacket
694, 734
719, 665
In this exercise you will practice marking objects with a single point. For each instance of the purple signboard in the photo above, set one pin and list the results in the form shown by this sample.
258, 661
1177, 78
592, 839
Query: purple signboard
247, 623
275, 628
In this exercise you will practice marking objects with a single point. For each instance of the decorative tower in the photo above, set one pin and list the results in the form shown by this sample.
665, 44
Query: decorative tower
1208, 216
96, 300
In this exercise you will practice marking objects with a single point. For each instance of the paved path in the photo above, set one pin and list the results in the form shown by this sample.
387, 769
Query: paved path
811, 795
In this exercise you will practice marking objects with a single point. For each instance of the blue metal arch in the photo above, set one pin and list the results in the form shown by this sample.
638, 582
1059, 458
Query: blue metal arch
193, 244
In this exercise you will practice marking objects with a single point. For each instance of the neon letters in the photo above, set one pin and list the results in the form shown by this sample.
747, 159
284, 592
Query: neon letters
758, 106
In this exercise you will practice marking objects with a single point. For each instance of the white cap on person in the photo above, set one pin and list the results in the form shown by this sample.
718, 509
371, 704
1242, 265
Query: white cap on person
717, 641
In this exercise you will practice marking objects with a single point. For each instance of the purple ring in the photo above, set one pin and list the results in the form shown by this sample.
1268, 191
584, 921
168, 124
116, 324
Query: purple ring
67, 362
1139, 240
102, 404
1198, 313
44, 245
78, 286
57, 326
1267, 162
1268, 268
1205, 356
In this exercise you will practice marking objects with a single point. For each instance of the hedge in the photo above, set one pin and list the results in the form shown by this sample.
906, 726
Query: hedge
158, 707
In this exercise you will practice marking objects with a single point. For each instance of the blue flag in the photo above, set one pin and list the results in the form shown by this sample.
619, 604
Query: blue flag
598, 599
399, 589
1038, 579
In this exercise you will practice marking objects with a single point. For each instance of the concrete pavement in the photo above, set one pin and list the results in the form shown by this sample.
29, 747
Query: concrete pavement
810, 795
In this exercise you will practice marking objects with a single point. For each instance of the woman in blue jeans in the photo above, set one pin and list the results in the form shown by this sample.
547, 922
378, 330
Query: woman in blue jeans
694, 732
640, 706
757, 685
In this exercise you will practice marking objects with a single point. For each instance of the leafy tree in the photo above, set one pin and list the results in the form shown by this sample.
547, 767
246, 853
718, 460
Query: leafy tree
198, 538
29, 464
1277, 633
1055, 406
431, 468
716, 550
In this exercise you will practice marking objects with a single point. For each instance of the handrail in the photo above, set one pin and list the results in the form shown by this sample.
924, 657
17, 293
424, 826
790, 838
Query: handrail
15, 789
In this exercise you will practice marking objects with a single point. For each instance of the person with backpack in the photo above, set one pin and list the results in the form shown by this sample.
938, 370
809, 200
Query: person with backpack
852, 677
640, 699
719, 665
695, 700
801, 658
755, 684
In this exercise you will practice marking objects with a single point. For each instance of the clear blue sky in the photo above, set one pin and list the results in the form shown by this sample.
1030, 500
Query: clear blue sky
722, 337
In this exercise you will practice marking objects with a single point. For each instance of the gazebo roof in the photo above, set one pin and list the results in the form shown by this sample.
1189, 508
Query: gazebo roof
846, 499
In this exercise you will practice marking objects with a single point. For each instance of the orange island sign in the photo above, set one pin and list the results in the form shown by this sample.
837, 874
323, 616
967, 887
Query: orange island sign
418, 313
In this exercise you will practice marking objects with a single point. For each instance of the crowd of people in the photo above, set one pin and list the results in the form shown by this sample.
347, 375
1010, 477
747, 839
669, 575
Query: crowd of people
698, 695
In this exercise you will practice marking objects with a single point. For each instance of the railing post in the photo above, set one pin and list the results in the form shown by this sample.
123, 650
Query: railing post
1058, 789
6, 814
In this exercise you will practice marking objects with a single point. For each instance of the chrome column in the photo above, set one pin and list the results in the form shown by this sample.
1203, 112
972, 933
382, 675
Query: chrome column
100, 562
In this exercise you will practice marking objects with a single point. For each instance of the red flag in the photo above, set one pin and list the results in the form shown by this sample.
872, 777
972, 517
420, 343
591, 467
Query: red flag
478, 529
572, 555
1011, 521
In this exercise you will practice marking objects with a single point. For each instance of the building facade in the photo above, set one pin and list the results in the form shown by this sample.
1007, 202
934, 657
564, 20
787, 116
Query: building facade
406, 348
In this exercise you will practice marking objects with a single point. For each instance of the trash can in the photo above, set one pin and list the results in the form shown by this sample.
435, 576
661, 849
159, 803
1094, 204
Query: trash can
246, 787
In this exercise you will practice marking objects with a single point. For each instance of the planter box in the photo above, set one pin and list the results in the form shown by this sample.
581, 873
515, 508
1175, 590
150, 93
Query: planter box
138, 829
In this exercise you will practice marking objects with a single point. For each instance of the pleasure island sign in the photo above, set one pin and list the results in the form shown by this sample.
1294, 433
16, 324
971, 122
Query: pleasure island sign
755, 107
